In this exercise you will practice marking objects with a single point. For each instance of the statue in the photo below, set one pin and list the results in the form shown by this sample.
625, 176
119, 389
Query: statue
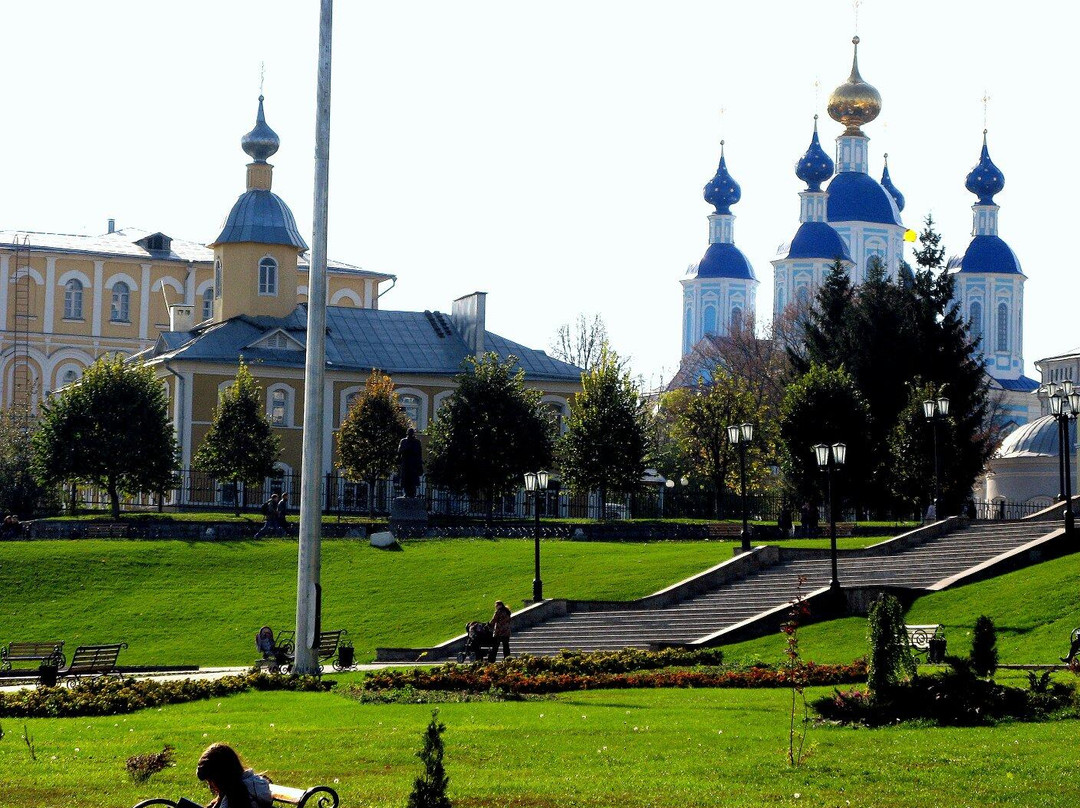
410, 462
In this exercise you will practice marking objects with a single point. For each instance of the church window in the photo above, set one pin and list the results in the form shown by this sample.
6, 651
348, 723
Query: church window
73, 299
217, 279
410, 405
120, 312
1002, 327
279, 406
710, 320
976, 321
208, 303
736, 319
780, 299
268, 277
803, 296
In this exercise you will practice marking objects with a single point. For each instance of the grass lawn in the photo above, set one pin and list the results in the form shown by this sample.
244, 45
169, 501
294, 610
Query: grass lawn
201, 603
614, 748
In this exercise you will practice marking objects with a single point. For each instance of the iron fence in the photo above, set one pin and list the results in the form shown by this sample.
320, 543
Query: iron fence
988, 510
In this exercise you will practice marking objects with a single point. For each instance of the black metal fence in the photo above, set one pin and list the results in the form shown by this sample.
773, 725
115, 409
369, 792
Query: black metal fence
1001, 509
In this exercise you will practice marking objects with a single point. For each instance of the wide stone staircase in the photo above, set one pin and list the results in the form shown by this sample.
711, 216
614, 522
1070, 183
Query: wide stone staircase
932, 564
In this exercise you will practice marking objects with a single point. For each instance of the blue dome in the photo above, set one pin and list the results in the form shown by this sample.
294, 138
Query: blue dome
261, 217
858, 197
1037, 438
724, 261
262, 141
815, 166
989, 254
722, 191
818, 240
887, 184
985, 179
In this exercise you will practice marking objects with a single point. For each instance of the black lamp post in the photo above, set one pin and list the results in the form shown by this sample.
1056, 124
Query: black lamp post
936, 409
1065, 406
740, 435
536, 483
828, 458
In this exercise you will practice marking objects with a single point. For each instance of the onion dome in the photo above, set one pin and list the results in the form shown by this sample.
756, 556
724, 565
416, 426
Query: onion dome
854, 102
887, 184
722, 191
262, 141
815, 166
985, 179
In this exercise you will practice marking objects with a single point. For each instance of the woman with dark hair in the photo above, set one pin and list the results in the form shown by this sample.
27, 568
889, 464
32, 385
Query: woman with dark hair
232, 785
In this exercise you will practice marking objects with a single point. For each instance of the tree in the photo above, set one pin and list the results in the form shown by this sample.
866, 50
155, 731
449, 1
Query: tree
701, 417
489, 431
21, 493
603, 448
890, 655
984, 652
369, 435
429, 789
580, 342
111, 429
240, 447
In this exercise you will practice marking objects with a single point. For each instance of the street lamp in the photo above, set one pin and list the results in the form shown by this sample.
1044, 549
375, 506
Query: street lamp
740, 435
828, 458
1065, 406
535, 483
934, 410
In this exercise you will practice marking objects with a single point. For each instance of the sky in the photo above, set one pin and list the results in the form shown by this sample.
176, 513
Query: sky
550, 154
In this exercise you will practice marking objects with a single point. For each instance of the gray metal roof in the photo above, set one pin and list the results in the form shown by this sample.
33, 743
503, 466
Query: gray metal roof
260, 217
396, 342
1038, 438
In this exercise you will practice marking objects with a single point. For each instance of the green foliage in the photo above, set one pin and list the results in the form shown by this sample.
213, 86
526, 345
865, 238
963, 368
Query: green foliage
890, 656
240, 445
373, 427
911, 446
825, 406
799, 713
604, 446
984, 653
489, 431
21, 492
141, 768
429, 789
111, 429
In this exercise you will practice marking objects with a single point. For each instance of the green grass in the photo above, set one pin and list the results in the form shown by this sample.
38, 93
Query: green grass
639, 748
201, 603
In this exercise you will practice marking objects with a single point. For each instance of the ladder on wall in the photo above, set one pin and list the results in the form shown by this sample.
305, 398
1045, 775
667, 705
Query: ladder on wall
22, 288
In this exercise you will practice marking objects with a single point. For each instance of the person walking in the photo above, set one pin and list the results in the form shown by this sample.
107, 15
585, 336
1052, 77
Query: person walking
283, 513
270, 517
500, 629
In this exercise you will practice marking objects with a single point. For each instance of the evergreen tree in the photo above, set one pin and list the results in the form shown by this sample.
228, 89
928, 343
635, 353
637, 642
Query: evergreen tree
111, 429
826, 327
984, 652
429, 789
890, 660
604, 446
369, 435
240, 447
490, 431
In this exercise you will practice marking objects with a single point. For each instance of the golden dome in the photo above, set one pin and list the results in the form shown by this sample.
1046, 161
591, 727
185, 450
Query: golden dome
854, 102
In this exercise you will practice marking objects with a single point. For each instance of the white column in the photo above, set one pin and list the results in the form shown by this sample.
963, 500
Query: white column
99, 279
50, 294
144, 303
367, 293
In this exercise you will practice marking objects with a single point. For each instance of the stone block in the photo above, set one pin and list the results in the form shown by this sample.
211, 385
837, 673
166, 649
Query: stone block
384, 538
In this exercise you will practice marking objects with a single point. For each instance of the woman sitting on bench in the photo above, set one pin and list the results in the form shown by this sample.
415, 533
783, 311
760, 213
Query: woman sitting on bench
233, 786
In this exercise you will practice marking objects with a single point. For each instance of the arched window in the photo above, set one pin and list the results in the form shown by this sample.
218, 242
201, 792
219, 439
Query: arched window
121, 303
410, 405
803, 295
736, 319
217, 279
73, 295
279, 407
1002, 327
709, 320
208, 303
975, 314
268, 276
558, 415
68, 377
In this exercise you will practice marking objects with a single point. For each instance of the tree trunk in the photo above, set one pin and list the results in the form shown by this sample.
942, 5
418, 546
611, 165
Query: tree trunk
74, 497
114, 498
236, 497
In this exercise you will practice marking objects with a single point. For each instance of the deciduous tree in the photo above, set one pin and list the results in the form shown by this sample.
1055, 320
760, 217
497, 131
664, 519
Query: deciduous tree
580, 342
369, 435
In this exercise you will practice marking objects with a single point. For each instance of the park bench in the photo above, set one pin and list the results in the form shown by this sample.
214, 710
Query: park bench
92, 660
922, 640
317, 796
102, 530
38, 652
328, 649
724, 530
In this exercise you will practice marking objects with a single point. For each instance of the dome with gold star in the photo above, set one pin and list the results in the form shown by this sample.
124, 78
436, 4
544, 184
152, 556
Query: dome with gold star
854, 102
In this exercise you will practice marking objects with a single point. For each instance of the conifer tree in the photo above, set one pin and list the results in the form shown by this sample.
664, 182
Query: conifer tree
429, 789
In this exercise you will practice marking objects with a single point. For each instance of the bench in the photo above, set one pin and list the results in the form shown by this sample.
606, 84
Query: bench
92, 660
38, 652
920, 637
328, 648
317, 796
101, 530
723, 530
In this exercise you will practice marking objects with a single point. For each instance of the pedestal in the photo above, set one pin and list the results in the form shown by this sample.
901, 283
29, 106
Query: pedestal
409, 513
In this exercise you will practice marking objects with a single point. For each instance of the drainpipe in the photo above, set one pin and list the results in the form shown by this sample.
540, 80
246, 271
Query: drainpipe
179, 417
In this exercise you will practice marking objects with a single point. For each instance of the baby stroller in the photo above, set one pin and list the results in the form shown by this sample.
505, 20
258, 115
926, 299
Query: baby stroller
480, 636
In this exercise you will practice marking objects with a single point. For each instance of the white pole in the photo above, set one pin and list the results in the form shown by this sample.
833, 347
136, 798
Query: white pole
308, 596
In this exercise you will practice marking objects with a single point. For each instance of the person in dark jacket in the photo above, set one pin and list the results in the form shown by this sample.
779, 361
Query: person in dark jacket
500, 628
410, 462
270, 517
282, 513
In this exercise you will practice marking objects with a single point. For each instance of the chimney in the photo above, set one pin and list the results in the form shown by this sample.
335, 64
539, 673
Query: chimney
468, 316
112, 225
181, 317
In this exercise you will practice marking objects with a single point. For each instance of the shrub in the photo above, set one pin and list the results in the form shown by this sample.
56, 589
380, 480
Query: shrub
984, 654
890, 657
141, 767
429, 789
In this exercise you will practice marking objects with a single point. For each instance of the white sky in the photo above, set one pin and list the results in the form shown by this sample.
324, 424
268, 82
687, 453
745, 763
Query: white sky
551, 154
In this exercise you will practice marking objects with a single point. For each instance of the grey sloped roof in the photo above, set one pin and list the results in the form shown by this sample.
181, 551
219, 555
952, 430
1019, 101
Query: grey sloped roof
261, 217
416, 342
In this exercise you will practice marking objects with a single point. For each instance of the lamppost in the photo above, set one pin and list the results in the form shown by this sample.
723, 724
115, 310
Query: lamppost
536, 483
740, 435
829, 457
1065, 406
936, 409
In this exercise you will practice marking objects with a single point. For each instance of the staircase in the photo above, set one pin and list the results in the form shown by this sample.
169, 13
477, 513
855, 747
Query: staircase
926, 566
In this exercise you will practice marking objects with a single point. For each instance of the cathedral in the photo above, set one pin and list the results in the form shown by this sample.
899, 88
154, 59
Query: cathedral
848, 216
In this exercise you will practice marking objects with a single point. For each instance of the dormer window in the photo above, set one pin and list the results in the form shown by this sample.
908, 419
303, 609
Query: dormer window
268, 276
279, 340
157, 242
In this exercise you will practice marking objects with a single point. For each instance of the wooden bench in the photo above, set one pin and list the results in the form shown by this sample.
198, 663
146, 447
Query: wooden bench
724, 530
92, 660
102, 530
919, 638
38, 652
317, 796
328, 648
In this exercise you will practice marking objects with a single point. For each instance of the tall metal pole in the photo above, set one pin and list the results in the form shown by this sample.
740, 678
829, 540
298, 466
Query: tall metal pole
538, 585
742, 481
1062, 433
937, 471
1067, 457
835, 582
308, 592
